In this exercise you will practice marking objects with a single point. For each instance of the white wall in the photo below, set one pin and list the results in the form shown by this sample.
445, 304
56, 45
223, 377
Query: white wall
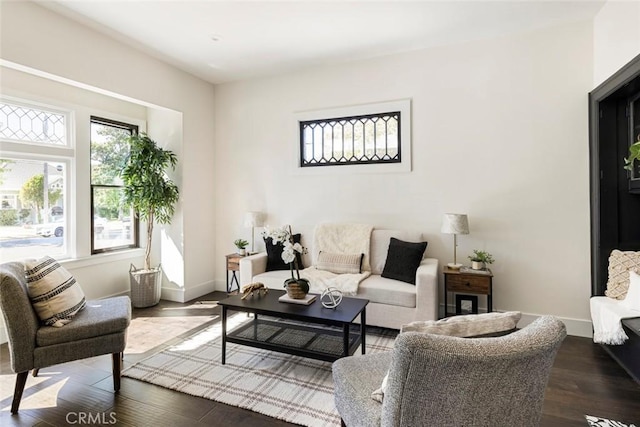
43, 41
616, 32
499, 133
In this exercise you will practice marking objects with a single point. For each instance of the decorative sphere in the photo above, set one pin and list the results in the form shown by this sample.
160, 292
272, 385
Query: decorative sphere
331, 298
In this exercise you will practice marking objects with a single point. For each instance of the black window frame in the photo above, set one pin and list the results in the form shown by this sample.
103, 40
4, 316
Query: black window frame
135, 223
350, 161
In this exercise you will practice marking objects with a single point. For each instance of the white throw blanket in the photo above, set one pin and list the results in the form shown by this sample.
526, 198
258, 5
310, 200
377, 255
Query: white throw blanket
606, 314
339, 239
319, 280
343, 239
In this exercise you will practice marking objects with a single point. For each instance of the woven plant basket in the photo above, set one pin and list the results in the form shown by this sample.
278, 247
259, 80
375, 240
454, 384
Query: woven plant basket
145, 287
295, 291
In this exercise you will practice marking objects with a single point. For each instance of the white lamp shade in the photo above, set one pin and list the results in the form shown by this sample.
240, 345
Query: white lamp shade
254, 219
453, 223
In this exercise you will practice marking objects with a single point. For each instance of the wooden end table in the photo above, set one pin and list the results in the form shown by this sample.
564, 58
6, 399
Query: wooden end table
233, 265
468, 282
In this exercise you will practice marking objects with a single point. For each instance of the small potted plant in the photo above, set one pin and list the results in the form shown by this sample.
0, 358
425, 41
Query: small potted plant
480, 259
241, 244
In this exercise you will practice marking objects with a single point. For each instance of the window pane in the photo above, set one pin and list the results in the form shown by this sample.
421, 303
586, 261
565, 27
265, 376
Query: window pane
112, 225
109, 151
25, 124
372, 138
32, 221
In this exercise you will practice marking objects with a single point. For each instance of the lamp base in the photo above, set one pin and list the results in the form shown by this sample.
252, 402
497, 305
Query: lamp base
453, 266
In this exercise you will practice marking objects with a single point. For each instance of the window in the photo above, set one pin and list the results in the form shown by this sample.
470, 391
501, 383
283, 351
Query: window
114, 227
34, 169
372, 138
24, 124
367, 138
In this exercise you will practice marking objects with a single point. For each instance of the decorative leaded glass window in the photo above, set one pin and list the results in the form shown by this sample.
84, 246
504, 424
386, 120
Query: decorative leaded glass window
365, 138
371, 138
32, 125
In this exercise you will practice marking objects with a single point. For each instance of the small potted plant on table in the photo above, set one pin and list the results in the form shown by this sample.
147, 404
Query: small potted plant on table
480, 259
241, 244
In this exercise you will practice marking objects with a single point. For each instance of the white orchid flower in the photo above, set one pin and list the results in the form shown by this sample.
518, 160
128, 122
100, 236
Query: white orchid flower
288, 254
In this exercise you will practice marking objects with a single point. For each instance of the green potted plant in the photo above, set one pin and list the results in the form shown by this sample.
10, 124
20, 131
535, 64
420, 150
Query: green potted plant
634, 154
241, 244
480, 259
152, 195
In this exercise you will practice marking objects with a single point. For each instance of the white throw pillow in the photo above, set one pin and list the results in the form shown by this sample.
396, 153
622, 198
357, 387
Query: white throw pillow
54, 293
632, 300
378, 394
340, 263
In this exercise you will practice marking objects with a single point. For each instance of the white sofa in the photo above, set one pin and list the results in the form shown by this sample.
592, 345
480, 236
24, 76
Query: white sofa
392, 303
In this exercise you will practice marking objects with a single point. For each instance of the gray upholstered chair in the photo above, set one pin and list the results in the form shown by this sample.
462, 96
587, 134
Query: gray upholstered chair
100, 328
437, 380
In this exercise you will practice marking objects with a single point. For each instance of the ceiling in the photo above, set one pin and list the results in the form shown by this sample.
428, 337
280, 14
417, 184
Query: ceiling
222, 41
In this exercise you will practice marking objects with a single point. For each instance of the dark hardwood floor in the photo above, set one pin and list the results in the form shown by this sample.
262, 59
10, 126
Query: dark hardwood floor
584, 380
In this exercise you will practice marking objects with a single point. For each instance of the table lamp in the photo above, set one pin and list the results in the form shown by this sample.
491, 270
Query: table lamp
455, 224
253, 219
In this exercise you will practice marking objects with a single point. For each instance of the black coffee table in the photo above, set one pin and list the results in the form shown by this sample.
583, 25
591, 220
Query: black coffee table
302, 330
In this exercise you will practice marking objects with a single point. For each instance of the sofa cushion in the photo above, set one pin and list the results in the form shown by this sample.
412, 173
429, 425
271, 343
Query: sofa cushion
54, 293
620, 263
274, 254
380, 245
403, 259
387, 291
340, 263
354, 380
273, 279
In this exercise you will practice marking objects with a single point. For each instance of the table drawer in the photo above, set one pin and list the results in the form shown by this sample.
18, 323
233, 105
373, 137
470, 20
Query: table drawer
468, 283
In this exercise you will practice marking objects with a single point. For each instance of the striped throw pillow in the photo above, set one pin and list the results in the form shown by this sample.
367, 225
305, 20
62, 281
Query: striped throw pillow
340, 263
54, 293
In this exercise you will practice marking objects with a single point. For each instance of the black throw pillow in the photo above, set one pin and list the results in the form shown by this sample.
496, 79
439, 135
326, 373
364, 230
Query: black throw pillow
274, 254
403, 259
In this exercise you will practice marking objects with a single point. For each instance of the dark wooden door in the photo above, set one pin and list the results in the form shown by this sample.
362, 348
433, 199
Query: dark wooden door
615, 210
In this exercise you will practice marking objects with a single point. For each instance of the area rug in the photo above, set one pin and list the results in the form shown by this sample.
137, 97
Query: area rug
604, 422
291, 388
148, 332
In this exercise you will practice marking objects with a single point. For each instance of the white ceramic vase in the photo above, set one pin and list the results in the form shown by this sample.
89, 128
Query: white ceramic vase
477, 265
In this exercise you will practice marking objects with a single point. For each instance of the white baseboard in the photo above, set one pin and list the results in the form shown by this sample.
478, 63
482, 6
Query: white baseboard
221, 285
184, 295
575, 327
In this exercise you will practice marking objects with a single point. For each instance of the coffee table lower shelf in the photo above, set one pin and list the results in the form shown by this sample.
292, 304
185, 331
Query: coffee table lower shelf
320, 343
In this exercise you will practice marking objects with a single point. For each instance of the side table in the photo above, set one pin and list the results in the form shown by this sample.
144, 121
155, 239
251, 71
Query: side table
233, 265
468, 282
